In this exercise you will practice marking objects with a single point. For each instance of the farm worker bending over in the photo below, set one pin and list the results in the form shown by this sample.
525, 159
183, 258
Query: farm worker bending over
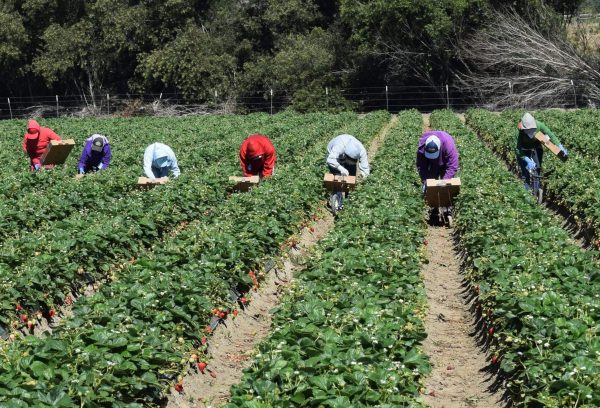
437, 156
35, 143
96, 154
158, 160
345, 152
257, 156
526, 143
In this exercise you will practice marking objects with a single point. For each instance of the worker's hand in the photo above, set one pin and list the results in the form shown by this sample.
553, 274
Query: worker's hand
562, 149
81, 170
37, 166
100, 166
529, 163
423, 188
343, 171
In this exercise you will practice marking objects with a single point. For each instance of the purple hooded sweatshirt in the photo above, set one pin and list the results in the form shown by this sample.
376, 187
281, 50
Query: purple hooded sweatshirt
90, 159
446, 165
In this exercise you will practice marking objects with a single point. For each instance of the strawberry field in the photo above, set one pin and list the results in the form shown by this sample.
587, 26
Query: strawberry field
134, 283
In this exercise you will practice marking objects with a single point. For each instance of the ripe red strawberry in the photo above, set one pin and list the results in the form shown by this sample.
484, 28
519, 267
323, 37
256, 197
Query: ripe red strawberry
494, 359
24, 318
203, 340
208, 329
491, 331
201, 366
18, 307
51, 313
235, 312
244, 300
222, 315
30, 324
179, 387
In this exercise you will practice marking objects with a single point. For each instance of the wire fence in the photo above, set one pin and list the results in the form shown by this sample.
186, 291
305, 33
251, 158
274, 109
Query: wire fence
391, 98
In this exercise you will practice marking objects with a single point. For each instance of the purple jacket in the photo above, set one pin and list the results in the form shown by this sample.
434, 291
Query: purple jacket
446, 165
90, 158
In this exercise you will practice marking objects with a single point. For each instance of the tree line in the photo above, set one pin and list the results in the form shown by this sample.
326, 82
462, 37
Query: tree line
243, 47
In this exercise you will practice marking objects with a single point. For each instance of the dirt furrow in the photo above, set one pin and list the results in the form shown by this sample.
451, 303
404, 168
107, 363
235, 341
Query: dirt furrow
232, 347
457, 378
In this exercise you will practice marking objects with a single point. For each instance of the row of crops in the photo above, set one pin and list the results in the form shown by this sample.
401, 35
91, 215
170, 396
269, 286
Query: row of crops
349, 332
537, 292
573, 185
126, 344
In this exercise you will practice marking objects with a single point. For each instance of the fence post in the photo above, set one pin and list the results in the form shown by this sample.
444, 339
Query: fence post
10, 108
447, 98
510, 87
271, 92
327, 97
216, 96
387, 103
57, 106
108, 102
574, 93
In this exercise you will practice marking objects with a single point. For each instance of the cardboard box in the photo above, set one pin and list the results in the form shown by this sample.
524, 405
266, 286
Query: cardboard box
545, 139
441, 193
58, 151
145, 182
243, 184
339, 183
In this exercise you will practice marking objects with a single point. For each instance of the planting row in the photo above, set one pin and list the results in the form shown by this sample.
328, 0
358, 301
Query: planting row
573, 184
126, 344
81, 249
537, 294
349, 332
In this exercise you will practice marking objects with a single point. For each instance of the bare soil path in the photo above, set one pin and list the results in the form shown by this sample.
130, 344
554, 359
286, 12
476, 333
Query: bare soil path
232, 347
457, 378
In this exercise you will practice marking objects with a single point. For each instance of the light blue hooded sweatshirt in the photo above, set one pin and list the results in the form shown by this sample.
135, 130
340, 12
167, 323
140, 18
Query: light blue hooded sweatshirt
346, 147
158, 160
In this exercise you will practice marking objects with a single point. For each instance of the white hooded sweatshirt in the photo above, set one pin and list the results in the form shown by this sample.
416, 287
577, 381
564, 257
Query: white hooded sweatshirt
348, 147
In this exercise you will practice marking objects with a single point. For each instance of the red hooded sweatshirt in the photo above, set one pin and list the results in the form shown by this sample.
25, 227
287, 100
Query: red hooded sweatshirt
257, 156
36, 143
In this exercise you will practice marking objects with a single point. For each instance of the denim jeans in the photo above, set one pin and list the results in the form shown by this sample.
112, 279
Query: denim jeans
160, 171
523, 167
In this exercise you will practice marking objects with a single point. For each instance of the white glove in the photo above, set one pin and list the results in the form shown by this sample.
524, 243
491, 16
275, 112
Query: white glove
343, 171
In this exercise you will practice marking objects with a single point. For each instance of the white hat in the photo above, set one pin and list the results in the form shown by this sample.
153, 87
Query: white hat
432, 147
528, 123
